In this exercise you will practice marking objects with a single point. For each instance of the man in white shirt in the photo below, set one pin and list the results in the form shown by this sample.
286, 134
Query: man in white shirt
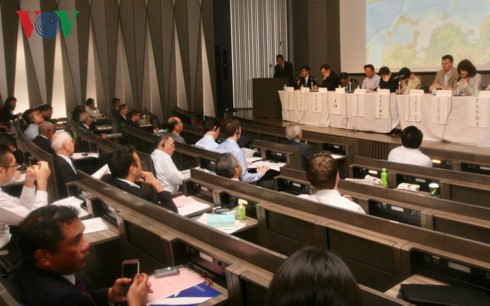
91, 109
371, 82
34, 118
14, 210
409, 152
208, 142
167, 173
227, 165
323, 174
233, 132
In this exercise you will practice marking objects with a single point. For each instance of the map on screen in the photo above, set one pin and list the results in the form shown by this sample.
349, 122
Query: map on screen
417, 33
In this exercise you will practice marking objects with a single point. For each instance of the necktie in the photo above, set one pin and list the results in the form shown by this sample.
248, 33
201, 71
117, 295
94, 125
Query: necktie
84, 290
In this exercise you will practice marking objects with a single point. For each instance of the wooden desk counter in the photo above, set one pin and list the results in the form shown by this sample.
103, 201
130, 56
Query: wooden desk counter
110, 234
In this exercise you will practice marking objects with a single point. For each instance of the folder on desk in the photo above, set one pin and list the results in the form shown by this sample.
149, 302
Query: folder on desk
191, 296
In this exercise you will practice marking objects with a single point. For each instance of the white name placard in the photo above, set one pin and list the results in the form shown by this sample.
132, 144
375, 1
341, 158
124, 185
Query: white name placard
335, 102
316, 102
439, 108
358, 103
478, 112
289, 100
301, 101
412, 108
382, 104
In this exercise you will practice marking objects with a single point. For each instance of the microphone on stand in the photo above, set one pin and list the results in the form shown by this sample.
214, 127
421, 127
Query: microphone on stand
400, 76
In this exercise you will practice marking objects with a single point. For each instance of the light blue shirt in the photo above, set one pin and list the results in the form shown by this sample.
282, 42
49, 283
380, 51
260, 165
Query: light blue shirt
232, 147
207, 143
32, 131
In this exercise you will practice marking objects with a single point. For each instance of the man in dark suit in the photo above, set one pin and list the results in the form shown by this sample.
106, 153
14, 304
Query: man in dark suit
133, 118
53, 251
126, 174
284, 69
64, 147
43, 140
294, 135
330, 79
116, 103
305, 79
121, 116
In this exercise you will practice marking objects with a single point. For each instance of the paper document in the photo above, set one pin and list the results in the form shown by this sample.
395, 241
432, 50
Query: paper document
167, 286
229, 230
271, 165
191, 296
189, 205
101, 172
74, 202
94, 225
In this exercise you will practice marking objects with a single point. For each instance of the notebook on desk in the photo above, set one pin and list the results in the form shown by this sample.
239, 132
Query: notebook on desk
192, 296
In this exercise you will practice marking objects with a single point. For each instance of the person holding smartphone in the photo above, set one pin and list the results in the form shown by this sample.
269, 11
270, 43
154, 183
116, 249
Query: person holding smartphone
54, 251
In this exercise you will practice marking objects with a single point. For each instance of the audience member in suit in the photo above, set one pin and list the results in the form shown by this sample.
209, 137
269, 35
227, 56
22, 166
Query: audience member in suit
64, 147
387, 81
126, 174
54, 251
167, 173
121, 116
175, 127
227, 165
116, 103
212, 126
85, 121
347, 82
313, 276
233, 131
323, 174
7, 111
409, 152
133, 118
294, 134
34, 118
284, 69
14, 209
75, 113
46, 111
330, 79
305, 79
43, 140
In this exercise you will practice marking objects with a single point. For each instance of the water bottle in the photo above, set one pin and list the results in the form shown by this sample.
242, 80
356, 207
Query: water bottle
384, 178
399, 87
11, 127
349, 89
240, 213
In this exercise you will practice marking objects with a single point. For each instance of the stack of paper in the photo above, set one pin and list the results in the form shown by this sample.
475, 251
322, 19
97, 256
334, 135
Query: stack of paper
74, 202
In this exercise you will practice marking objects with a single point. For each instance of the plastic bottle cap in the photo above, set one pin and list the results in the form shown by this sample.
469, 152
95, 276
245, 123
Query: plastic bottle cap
384, 169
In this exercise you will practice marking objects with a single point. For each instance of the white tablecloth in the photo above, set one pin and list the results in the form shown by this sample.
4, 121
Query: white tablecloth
340, 110
462, 120
305, 107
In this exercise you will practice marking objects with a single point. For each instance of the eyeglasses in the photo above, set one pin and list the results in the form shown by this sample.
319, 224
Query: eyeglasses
18, 166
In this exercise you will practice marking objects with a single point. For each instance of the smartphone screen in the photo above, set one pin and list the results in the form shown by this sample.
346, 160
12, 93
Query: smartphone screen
130, 267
